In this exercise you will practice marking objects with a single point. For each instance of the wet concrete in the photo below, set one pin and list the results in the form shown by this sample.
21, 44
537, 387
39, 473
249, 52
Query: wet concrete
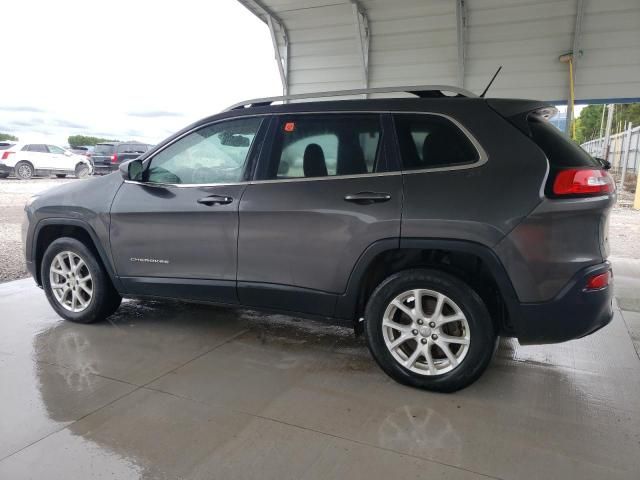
172, 390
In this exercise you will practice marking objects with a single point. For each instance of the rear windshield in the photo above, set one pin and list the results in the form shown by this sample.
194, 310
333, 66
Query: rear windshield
133, 148
104, 149
558, 148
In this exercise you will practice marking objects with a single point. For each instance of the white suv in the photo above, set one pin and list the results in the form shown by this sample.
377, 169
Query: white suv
28, 160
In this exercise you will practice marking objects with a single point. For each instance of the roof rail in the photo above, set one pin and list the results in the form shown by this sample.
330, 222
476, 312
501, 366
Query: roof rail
422, 91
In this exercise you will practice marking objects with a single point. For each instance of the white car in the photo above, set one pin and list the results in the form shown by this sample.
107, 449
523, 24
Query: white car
27, 160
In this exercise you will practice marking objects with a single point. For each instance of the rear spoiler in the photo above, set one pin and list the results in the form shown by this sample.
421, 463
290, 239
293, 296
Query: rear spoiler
517, 111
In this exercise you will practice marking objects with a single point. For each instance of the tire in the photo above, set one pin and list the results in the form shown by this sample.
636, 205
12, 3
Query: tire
82, 170
103, 301
24, 170
61, 175
407, 362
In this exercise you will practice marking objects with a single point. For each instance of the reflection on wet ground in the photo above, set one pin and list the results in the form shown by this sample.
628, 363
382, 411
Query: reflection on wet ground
176, 390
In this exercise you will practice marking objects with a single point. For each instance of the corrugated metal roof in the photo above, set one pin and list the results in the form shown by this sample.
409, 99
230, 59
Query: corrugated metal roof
416, 42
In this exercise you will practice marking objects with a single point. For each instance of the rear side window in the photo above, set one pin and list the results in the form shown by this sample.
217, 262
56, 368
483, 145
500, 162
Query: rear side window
325, 145
4, 146
104, 149
430, 141
36, 148
558, 148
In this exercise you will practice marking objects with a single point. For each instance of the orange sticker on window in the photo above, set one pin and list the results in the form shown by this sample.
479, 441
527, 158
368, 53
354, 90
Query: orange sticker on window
289, 127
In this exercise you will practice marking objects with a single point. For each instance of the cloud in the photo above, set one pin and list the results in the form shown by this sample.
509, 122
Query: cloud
154, 114
20, 108
27, 123
68, 124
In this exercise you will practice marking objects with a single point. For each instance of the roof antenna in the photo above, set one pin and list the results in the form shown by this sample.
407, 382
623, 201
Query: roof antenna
491, 82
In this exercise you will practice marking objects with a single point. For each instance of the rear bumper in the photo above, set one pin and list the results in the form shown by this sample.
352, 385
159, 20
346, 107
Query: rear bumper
573, 313
5, 169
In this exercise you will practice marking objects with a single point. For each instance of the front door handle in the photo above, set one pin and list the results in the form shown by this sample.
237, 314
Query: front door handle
367, 198
215, 200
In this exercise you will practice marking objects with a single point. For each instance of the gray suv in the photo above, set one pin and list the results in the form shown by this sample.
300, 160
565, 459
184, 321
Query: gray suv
434, 224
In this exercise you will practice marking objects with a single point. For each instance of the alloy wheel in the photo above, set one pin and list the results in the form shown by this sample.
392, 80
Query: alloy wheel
71, 281
426, 332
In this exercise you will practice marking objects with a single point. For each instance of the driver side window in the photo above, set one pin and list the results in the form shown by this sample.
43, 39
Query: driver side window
216, 153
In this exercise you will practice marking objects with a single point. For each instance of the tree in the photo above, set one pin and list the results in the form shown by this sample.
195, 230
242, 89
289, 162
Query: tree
80, 140
8, 136
588, 124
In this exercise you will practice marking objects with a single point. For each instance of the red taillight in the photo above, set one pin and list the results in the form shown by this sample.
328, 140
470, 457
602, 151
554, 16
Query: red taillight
114, 158
5, 155
582, 181
601, 280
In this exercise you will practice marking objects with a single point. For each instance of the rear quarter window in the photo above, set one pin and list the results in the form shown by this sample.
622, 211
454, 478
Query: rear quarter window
559, 149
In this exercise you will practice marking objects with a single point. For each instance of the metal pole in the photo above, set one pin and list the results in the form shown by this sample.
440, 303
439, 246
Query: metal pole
607, 135
626, 155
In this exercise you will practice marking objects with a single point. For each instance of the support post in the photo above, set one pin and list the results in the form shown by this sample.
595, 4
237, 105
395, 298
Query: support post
361, 24
607, 135
625, 155
281, 53
461, 16
575, 54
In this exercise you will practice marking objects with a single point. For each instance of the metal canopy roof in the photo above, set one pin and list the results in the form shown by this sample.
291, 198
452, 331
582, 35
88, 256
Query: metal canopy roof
340, 44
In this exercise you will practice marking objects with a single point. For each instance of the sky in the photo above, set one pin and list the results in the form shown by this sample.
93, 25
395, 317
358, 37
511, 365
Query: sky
127, 70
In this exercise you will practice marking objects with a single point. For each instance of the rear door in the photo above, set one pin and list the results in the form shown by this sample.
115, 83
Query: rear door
37, 154
102, 154
325, 190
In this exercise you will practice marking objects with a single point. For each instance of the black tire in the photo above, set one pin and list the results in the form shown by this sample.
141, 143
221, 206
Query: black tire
61, 175
483, 336
24, 170
82, 170
105, 300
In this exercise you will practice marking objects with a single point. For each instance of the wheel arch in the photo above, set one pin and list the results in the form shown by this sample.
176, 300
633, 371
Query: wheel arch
473, 263
50, 229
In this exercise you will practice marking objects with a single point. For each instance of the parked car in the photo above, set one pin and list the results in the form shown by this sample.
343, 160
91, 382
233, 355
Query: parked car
87, 150
434, 224
31, 159
108, 155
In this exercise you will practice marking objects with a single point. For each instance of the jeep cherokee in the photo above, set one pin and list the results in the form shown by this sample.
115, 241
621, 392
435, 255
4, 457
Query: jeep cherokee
435, 224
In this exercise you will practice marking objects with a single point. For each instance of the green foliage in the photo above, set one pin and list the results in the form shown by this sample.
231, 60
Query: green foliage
588, 124
7, 136
80, 140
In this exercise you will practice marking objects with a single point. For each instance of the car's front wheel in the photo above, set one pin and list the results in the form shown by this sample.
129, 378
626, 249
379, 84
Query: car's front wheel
77, 286
430, 330
24, 170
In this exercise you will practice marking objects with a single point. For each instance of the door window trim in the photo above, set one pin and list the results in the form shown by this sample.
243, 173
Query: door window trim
249, 165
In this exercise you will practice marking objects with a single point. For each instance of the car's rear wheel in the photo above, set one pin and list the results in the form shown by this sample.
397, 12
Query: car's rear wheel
24, 170
430, 330
82, 170
76, 284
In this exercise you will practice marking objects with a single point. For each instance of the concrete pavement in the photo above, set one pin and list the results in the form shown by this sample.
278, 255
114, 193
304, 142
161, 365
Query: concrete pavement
172, 390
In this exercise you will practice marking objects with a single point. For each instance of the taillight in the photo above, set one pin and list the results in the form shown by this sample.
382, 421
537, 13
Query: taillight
582, 181
114, 158
601, 280
6, 154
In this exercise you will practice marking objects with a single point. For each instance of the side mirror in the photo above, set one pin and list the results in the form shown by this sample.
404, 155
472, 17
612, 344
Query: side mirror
131, 170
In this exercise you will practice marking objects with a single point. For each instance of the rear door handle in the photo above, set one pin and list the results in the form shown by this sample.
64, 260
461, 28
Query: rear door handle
215, 200
367, 198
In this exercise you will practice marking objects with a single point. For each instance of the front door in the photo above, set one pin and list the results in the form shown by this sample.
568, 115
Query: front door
174, 233
326, 189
